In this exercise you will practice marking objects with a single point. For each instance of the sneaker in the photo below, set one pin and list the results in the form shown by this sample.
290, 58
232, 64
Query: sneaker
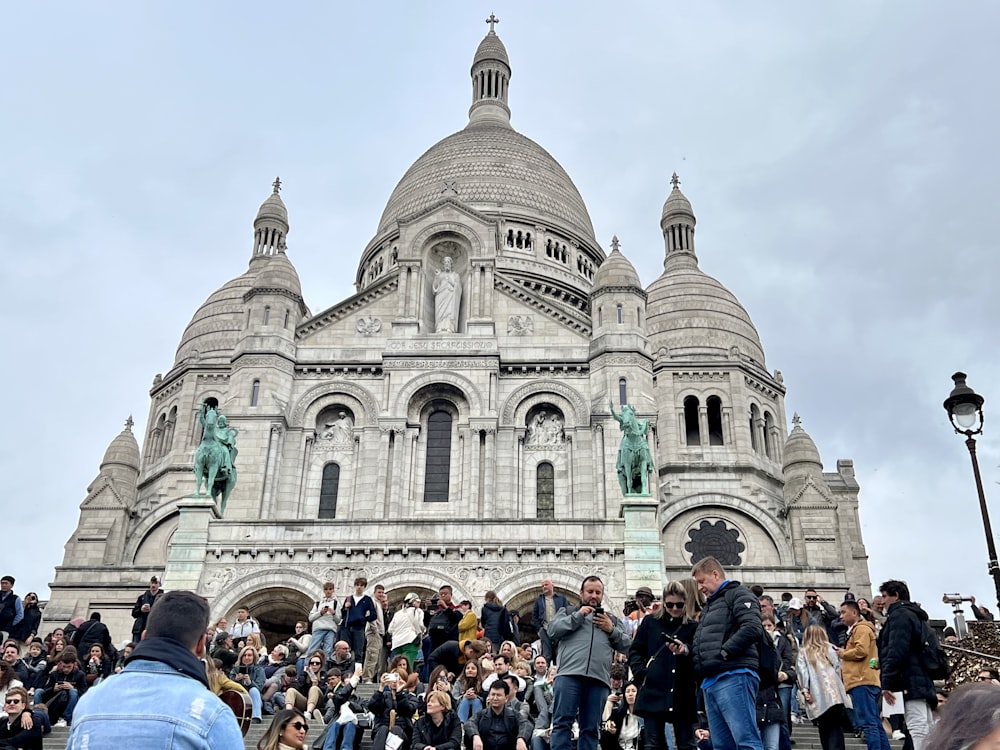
256, 720
897, 735
318, 715
60, 723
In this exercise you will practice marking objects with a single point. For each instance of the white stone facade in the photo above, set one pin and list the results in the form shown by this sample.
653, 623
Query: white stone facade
549, 328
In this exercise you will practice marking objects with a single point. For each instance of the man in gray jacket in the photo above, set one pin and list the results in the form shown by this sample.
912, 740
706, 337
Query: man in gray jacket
588, 638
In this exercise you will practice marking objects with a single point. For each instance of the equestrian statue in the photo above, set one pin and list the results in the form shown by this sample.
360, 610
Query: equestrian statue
214, 462
634, 459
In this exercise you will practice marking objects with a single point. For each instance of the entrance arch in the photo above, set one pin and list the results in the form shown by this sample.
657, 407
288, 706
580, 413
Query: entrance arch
276, 610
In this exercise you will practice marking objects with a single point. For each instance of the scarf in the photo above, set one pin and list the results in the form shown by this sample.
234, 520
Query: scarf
171, 652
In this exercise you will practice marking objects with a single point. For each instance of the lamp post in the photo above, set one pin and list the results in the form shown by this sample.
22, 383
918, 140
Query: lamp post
965, 410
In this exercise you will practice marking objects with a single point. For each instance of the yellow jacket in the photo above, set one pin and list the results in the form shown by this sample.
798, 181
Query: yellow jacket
857, 655
467, 627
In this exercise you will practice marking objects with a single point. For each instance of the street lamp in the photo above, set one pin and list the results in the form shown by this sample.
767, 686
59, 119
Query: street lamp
965, 410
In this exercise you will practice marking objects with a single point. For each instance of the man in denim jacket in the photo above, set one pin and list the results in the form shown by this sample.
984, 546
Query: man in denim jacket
161, 697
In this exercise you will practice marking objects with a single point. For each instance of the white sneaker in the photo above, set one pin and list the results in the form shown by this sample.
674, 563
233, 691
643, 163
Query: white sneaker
897, 735
60, 723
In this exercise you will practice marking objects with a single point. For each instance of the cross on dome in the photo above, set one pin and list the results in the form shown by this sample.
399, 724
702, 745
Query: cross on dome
129, 422
276, 185
796, 419
675, 180
615, 244
492, 21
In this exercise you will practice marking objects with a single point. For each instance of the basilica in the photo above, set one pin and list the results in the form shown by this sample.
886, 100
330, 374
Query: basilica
458, 419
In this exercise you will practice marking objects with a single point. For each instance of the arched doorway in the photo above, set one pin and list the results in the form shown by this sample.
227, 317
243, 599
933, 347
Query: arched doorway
524, 602
276, 610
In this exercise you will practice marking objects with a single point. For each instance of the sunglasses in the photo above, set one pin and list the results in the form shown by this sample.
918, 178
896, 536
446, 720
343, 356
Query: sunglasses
299, 726
674, 605
12, 701
315, 663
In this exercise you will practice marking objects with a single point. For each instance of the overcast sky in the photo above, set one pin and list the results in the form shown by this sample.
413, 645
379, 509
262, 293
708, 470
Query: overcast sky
842, 159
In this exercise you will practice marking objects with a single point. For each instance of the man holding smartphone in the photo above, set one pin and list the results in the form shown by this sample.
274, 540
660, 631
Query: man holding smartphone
588, 638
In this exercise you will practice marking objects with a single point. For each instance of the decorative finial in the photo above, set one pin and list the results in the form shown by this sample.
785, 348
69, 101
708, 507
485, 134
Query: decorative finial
128, 423
797, 420
276, 185
675, 181
615, 244
492, 21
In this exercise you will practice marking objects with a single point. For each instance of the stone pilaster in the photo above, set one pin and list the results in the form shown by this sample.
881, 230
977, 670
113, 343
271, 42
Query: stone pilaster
186, 558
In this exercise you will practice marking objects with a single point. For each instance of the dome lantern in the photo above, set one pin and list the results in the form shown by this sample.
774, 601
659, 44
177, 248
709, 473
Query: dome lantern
270, 228
490, 80
677, 222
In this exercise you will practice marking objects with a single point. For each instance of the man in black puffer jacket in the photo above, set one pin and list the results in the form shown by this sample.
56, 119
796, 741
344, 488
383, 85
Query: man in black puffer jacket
899, 655
726, 658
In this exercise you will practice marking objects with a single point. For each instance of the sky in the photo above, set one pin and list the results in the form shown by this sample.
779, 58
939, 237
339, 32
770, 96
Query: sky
843, 161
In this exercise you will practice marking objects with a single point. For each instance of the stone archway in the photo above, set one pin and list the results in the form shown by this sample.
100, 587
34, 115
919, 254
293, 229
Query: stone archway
524, 602
276, 610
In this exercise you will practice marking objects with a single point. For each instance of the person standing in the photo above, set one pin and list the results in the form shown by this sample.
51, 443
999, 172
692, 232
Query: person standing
588, 638
358, 611
818, 670
861, 675
324, 619
901, 667
142, 607
726, 657
544, 611
162, 691
11, 608
375, 650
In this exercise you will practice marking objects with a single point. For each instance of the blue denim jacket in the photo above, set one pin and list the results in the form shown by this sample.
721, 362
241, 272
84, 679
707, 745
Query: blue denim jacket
151, 705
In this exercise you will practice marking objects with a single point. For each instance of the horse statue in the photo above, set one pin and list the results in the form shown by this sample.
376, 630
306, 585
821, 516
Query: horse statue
214, 459
634, 459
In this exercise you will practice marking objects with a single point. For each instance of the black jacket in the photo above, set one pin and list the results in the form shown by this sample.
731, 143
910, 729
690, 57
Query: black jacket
609, 739
667, 685
499, 732
448, 736
495, 622
443, 626
899, 649
403, 701
787, 653
14, 736
769, 709
728, 632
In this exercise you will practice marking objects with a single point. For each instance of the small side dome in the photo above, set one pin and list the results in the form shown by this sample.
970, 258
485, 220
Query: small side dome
123, 450
616, 271
278, 273
273, 208
216, 326
801, 453
491, 48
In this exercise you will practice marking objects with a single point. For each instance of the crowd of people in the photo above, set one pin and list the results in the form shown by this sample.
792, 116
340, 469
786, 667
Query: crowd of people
710, 663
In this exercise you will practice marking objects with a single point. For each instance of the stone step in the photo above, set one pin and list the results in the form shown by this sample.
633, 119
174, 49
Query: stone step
806, 737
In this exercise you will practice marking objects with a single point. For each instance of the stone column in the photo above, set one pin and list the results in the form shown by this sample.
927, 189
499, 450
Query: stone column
643, 550
186, 555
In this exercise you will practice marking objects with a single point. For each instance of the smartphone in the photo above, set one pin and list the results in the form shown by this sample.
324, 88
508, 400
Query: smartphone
598, 610
244, 670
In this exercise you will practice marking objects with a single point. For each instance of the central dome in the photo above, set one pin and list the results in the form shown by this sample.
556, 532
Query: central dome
490, 167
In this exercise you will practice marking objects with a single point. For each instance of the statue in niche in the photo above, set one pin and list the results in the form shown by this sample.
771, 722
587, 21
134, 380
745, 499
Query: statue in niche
340, 431
634, 459
554, 430
447, 298
545, 428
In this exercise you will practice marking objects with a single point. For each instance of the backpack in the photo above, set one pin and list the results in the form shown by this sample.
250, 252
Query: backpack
932, 657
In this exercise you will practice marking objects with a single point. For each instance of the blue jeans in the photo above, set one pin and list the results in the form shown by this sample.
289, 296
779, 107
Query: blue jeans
348, 730
255, 701
324, 639
731, 705
866, 699
572, 694
769, 735
467, 707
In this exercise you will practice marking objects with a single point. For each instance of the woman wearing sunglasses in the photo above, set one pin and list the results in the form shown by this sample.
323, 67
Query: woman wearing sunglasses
309, 693
287, 731
660, 658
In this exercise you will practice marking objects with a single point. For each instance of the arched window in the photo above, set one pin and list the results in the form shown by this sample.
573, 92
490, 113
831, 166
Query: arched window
754, 420
328, 491
168, 434
255, 393
600, 316
692, 430
161, 428
714, 405
438, 465
621, 314
622, 391
768, 424
545, 491
267, 314
288, 314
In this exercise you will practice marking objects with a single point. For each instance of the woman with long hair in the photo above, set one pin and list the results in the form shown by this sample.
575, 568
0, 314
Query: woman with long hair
510, 650
98, 665
495, 620
439, 728
8, 680
255, 640
624, 730
250, 675
818, 671
467, 689
400, 662
27, 628
663, 670
308, 693
287, 731
694, 600
407, 629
